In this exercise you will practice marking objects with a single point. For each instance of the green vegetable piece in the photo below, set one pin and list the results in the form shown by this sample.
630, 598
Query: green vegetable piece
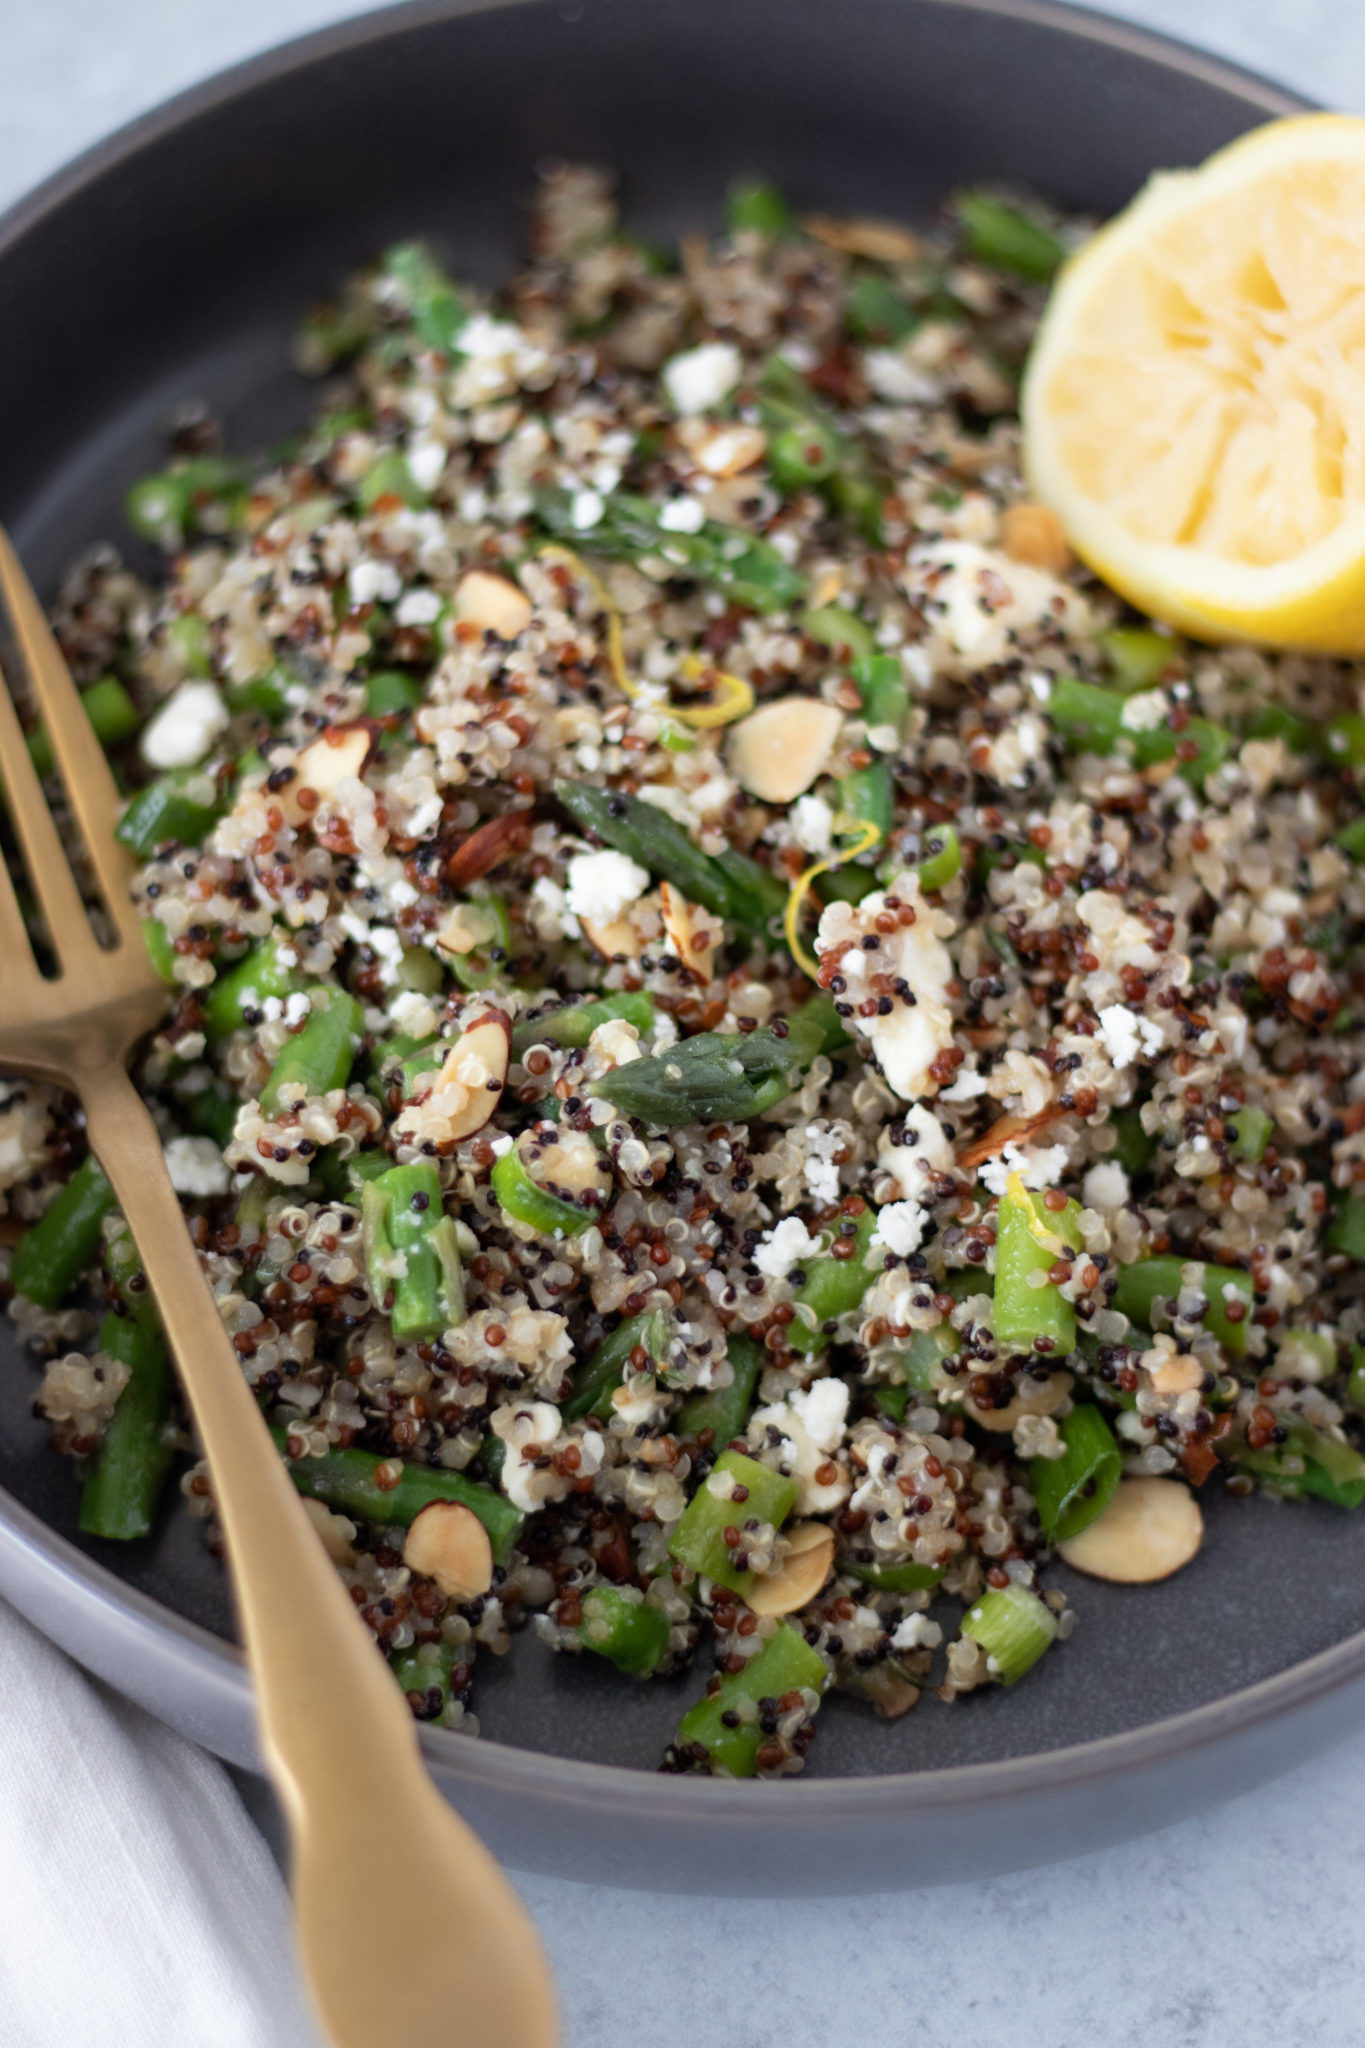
722, 1075
354, 1482
1138, 656
112, 714
523, 1197
53, 1253
600, 1375
802, 455
1346, 1230
160, 948
1278, 722
942, 857
123, 1263
212, 1113
869, 793
404, 1223
1136, 1148
1008, 239
1146, 1290
267, 695
170, 808
1310, 1461
760, 1494
1030, 1237
1253, 1127
754, 207
654, 839
320, 1056
1013, 1627
120, 1495
573, 1026
423, 1672
723, 1410
1073, 1489
270, 969
486, 917
1345, 739
1351, 839
786, 1663
187, 639
390, 477
391, 694
831, 1288
874, 311
834, 626
1087, 714
420, 970
156, 508
893, 1578
438, 312
621, 1625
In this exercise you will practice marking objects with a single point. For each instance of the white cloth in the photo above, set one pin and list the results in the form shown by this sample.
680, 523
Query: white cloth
139, 1906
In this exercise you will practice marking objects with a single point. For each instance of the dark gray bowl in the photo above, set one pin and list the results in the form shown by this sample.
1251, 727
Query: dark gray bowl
172, 262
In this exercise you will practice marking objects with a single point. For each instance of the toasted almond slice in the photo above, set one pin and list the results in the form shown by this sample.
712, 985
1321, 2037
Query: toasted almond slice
336, 1532
1179, 1373
448, 1543
828, 583
778, 751
620, 936
722, 449
1007, 1130
1150, 1529
473, 1074
1034, 534
692, 938
1035, 1397
322, 767
803, 1571
881, 241
492, 603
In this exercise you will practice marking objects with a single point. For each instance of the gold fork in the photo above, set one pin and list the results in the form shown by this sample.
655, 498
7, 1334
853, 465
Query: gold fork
406, 1927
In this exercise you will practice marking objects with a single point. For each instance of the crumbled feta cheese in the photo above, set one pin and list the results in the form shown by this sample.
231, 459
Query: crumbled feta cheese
296, 1007
483, 338
917, 1632
926, 1150
602, 885
413, 1014
784, 1246
185, 727
1038, 1166
418, 608
196, 1167
372, 582
1145, 712
702, 377
900, 1227
1119, 1030
586, 510
426, 463
810, 1425
812, 824
683, 515
550, 912
1105, 1186
521, 1424
909, 1039
897, 381
822, 1173
968, 1085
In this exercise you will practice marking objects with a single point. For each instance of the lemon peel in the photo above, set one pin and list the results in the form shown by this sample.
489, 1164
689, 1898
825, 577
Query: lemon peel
869, 835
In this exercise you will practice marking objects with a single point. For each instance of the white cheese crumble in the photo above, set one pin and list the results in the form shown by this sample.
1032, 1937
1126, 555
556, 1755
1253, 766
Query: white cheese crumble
196, 1167
1038, 1166
683, 515
784, 1246
900, 1227
586, 510
602, 885
917, 1632
426, 463
185, 727
1145, 712
1127, 1036
418, 608
822, 1174
702, 377
373, 582
812, 824
926, 1150
907, 1041
811, 1425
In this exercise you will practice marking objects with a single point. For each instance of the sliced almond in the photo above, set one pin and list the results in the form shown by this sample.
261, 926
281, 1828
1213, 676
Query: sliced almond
322, 767
722, 449
448, 1543
1150, 1529
881, 241
778, 751
1007, 1130
1178, 1373
492, 603
692, 936
336, 1532
828, 583
467, 1086
1035, 1397
617, 938
1034, 534
801, 1574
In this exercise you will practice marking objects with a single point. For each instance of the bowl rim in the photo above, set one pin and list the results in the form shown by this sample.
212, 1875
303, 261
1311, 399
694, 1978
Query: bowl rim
497, 1766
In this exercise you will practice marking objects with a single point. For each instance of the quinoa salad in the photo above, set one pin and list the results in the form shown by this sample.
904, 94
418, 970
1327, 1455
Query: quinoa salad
749, 1055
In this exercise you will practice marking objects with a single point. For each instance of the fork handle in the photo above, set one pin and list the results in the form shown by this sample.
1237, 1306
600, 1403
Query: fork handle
336, 1730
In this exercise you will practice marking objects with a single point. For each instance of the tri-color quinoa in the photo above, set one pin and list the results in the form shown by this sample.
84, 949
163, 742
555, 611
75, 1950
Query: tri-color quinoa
751, 1256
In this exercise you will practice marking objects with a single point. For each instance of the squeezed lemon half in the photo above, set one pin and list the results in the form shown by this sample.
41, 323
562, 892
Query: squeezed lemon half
1194, 407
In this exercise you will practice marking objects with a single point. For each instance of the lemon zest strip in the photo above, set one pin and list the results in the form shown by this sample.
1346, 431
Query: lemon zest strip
868, 836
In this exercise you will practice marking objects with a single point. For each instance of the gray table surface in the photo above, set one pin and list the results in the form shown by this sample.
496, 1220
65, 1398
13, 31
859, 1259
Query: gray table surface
1238, 1927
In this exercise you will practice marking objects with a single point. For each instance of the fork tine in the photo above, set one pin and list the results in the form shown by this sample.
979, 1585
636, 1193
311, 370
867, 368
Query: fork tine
44, 856
85, 772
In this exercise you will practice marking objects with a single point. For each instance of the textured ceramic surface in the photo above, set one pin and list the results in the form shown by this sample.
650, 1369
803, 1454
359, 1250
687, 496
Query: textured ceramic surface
198, 236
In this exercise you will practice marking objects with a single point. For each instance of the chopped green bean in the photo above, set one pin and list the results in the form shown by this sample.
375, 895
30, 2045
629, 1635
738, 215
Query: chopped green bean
597, 1379
1346, 1230
410, 1244
1032, 1314
832, 1287
319, 1057
390, 1494
875, 312
1252, 1127
753, 207
523, 1197
1147, 1290
1073, 1489
160, 948
212, 1112
942, 857
749, 571
270, 969
1136, 1148
723, 1410
53, 1252
184, 805
438, 312
391, 694
620, 1624
574, 1025
754, 1493
834, 626
423, 1672
1138, 656
893, 1578
1006, 238
725, 1725
120, 1495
